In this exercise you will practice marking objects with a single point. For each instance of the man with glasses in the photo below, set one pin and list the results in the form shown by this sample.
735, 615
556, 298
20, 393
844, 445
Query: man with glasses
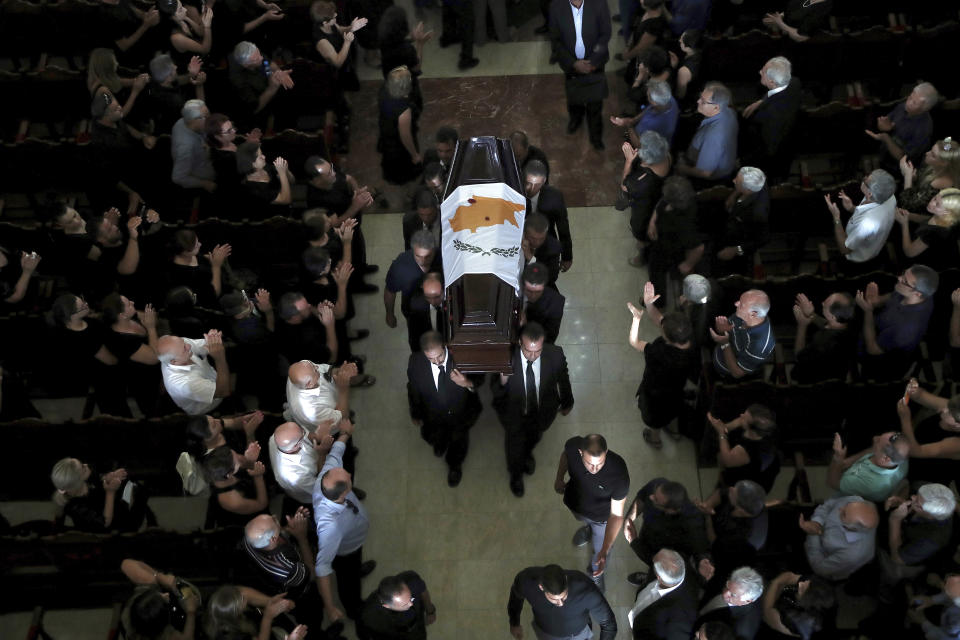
841, 536
400, 609
712, 154
563, 602
738, 604
192, 168
892, 336
874, 474
867, 229
295, 454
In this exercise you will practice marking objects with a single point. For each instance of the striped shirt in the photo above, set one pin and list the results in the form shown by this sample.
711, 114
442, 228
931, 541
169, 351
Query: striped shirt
752, 346
281, 565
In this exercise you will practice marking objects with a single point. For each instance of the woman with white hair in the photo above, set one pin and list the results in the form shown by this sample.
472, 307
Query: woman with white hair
644, 170
936, 239
95, 506
747, 228
401, 160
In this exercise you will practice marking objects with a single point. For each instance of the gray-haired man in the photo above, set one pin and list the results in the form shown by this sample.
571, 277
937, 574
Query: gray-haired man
748, 212
867, 230
192, 168
667, 606
738, 604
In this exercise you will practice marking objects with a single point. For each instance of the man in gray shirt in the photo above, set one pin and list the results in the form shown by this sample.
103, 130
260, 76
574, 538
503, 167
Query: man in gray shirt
192, 168
342, 526
841, 536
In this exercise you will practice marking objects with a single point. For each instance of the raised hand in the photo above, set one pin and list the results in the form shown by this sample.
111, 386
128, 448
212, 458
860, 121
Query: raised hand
636, 313
649, 294
252, 454
148, 317
839, 449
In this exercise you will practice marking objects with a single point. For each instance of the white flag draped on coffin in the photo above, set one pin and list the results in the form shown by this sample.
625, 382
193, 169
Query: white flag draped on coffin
482, 228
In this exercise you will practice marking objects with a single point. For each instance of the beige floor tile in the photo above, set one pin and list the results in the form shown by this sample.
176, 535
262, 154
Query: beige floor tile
577, 288
578, 326
582, 362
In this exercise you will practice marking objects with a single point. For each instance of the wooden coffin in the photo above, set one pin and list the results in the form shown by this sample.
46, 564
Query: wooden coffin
484, 310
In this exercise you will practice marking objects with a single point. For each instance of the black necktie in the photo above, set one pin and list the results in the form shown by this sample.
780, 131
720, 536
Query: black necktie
531, 389
441, 380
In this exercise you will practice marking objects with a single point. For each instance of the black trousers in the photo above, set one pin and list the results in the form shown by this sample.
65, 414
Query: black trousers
347, 568
453, 436
594, 119
458, 23
520, 439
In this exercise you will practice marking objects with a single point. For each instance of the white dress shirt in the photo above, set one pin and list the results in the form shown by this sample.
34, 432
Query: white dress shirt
296, 473
647, 596
310, 407
192, 386
580, 50
868, 228
774, 92
436, 368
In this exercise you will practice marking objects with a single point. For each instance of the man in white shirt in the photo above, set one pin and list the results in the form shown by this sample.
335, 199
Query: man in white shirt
194, 385
296, 455
318, 393
667, 606
867, 230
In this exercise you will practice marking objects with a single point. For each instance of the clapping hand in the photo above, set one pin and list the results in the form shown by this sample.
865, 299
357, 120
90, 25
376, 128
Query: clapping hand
810, 527
214, 343
325, 313
148, 317
420, 34
845, 200
281, 165
250, 422
839, 449
346, 228
257, 469
297, 523
885, 124
29, 261
113, 480
636, 313
219, 255
629, 153
341, 275
252, 454
263, 300
832, 207
955, 297
907, 169
278, 604
650, 294
357, 23
194, 66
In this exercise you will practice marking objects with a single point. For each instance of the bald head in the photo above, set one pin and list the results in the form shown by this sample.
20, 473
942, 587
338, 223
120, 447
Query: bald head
288, 436
335, 484
173, 350
303, 374
753, 306
433, 288
262, 532
860, 516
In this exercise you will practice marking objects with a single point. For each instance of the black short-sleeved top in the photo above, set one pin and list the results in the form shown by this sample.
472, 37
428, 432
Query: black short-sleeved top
261, 205
666, 369
198, 279
590, 494
761, 454
379, 622
336, 199
826, 356
81, 346
807, 20
306, 341
654, 26
676, 234
941, 252
123, 345
644, 188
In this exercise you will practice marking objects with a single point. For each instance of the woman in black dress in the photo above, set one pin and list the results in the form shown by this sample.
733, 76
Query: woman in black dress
668, 360
940, 170
400, 48
400, 159
688, 69
935, 244
748, 450
132, 338
190, 31
222, 138
268, 186
648, 29
797, 606
644, 170
235, 497
94, 506
186, 269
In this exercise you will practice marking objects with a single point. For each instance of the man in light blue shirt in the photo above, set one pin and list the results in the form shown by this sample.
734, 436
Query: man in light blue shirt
712, 154
342, 526
874, 474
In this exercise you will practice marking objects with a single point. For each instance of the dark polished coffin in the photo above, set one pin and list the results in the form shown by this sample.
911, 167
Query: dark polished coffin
484, 310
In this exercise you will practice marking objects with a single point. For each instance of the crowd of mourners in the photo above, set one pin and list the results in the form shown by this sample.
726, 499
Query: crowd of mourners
160, 320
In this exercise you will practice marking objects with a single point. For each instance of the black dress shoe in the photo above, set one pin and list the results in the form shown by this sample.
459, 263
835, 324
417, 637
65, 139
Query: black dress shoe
542, 29
370, 268
454, 477
516, 486
367, 568
366, 287
597, 144
360, 493
361, 334
529, 465
467, 63
573, 125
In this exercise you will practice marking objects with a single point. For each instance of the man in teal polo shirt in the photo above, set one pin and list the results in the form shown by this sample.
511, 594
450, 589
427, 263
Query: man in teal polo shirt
874, 474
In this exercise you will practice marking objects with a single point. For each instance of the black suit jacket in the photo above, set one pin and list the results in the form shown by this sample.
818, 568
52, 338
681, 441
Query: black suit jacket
548, 311
536, 153
767, 130
459, 405
552, 205
555, 390
595, 31
671, 617
419, 319
745, 620
411, 224
548, 254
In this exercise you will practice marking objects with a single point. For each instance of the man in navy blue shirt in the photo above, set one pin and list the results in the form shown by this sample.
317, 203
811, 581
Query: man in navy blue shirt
745, 340
405, 275
712, 154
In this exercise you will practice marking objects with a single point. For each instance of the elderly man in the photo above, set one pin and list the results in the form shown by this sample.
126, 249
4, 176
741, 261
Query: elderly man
748, 213
191, 382
526, 152
949, 623
919, 528
342, 526
192, 168
404, 276
738, 605
867, 229
875, 474
892, 336
167, 92
666, 608
318, 395
425, 216
595, 494
547, 200
660, 114
908, 128
841, 536
400, 609
829, 354
255, 81
296, 455
541, 304
563, 603
712, 154
745, 340
539, 246
769, 121
428, 309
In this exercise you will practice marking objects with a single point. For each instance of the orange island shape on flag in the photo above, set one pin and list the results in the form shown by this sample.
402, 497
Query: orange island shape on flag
485, 212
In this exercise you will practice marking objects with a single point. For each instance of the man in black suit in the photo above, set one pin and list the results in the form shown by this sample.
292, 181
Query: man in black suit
444, 146
580, 34
528, 401
542, 198
541, 304
768, 122
427, 310
666, 607
737, 605
525, 152
539, 246
426, 215
443, 402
